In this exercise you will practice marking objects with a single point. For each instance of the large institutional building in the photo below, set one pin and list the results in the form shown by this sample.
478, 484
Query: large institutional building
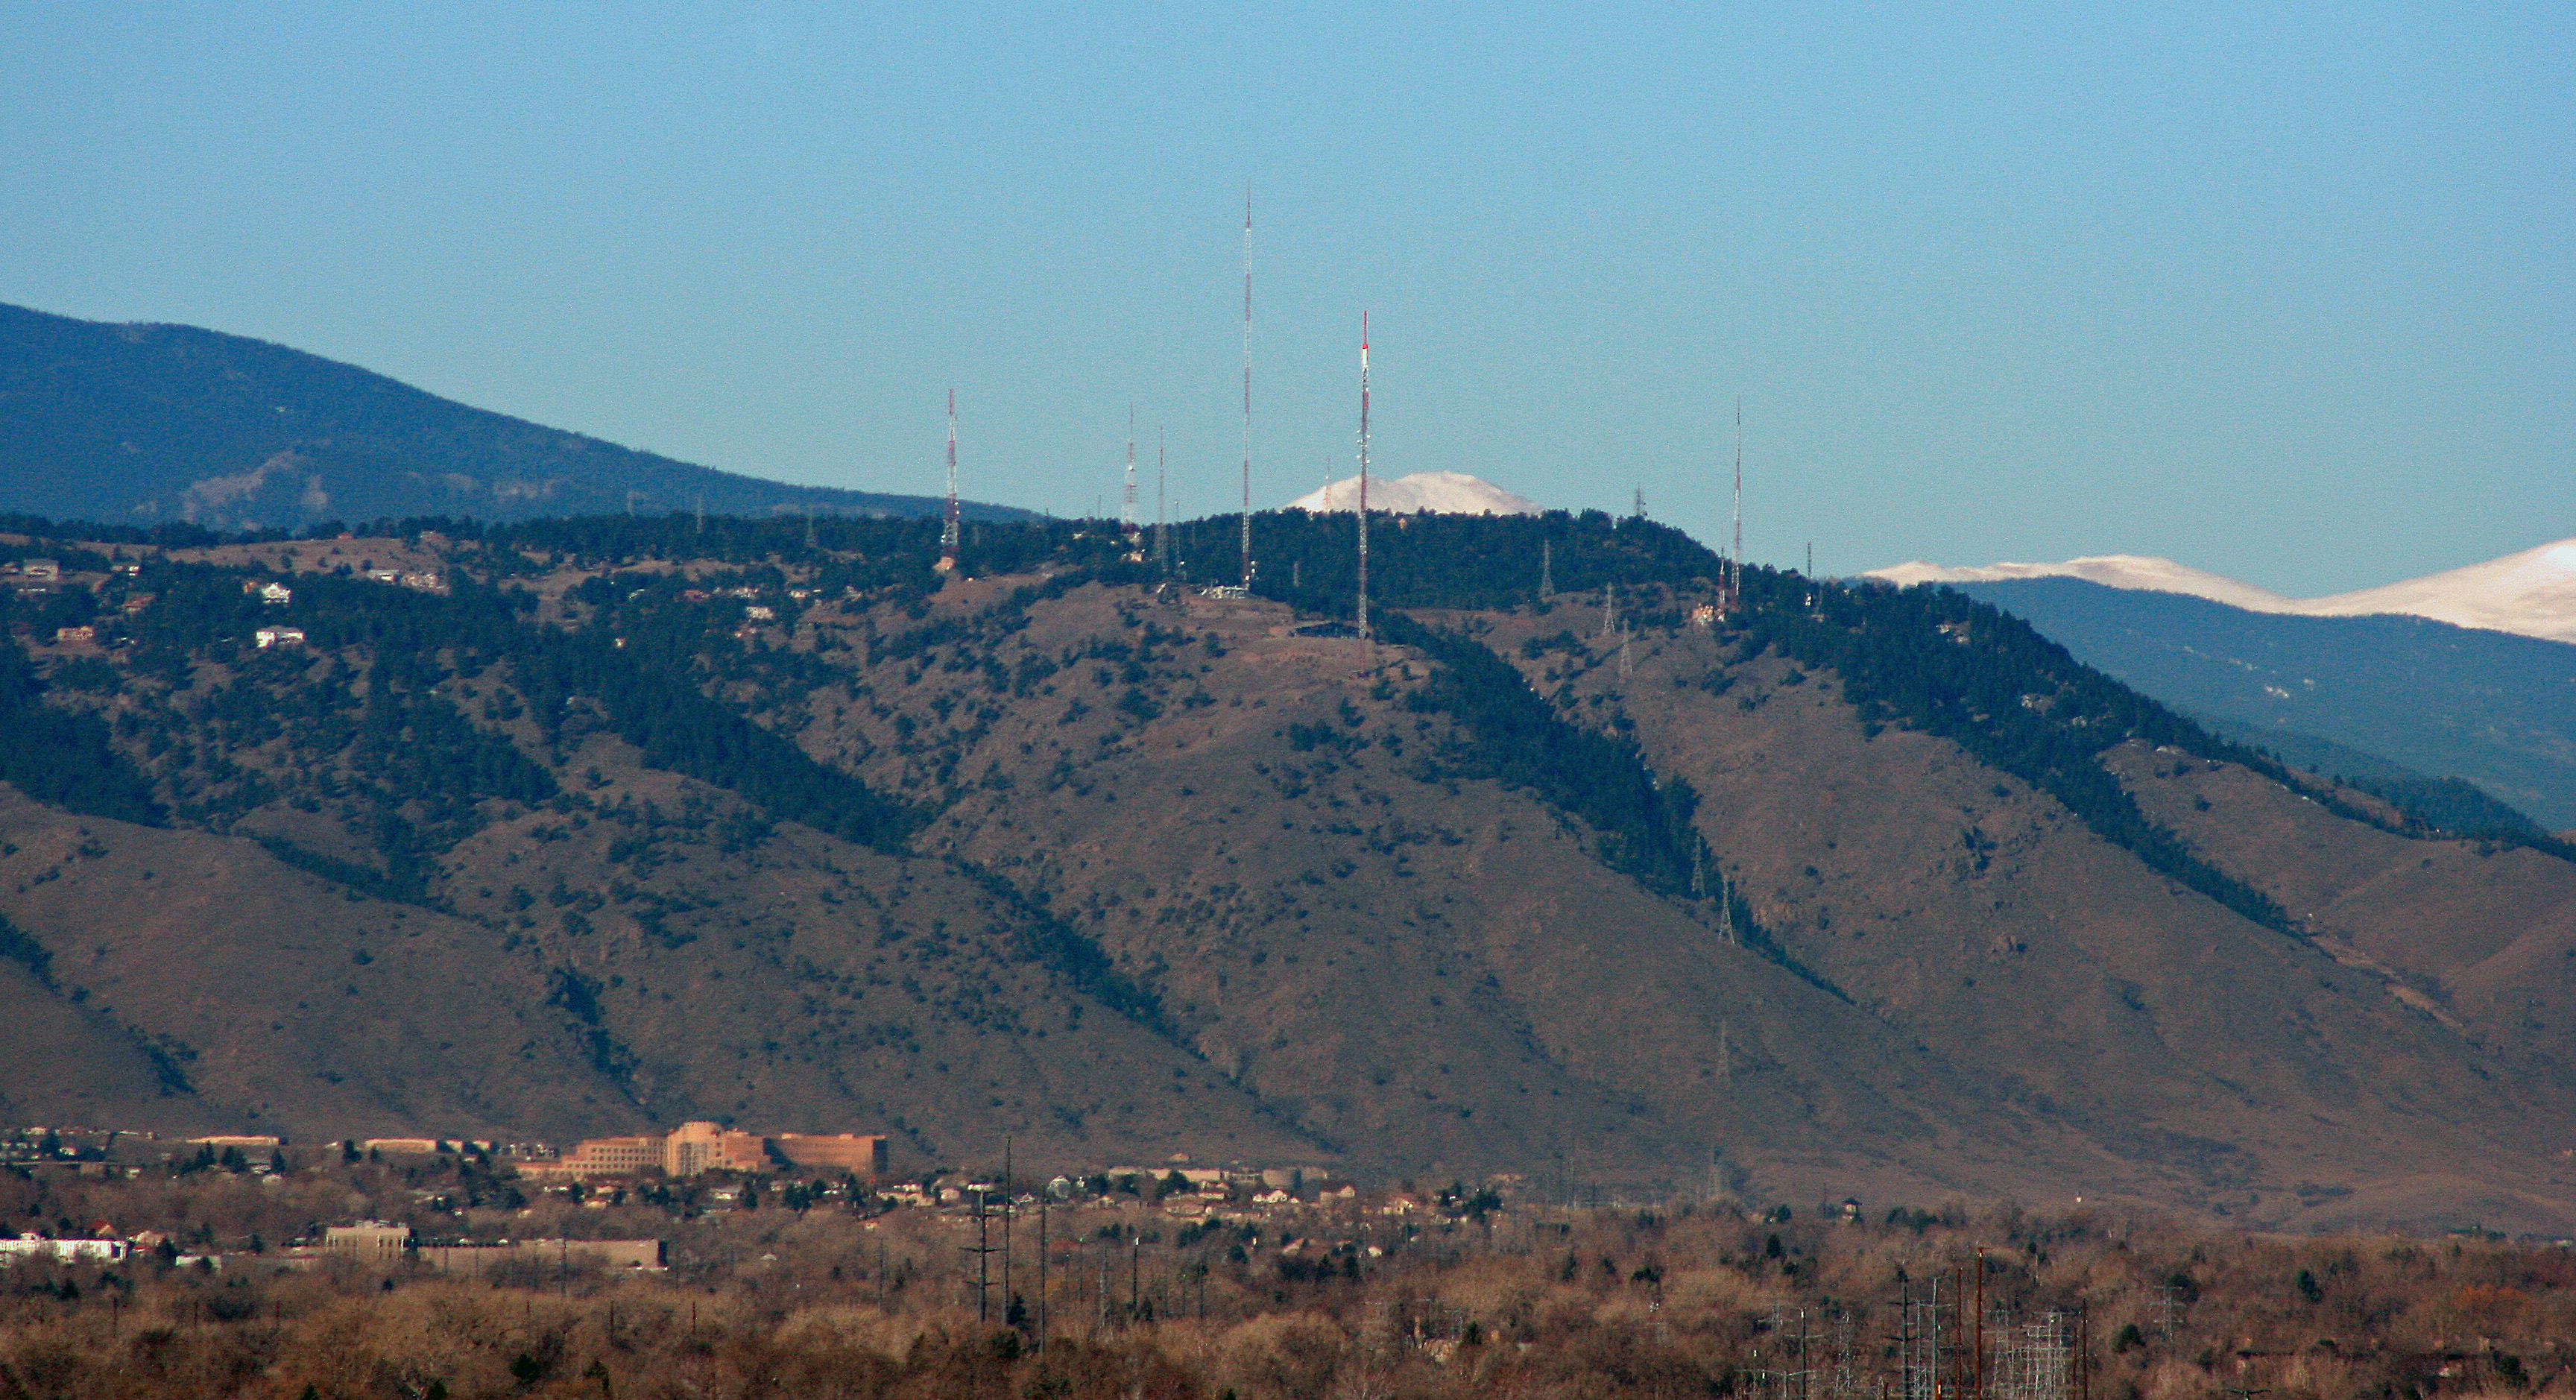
711, 1147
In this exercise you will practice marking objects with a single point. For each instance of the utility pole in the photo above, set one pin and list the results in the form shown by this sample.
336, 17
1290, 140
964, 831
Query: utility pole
1042, 1271
1979, 1391
1010, 1203
982, 1249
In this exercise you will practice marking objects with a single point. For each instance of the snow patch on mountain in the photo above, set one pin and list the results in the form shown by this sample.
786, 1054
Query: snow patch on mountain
2141, 572
2532, 593
1436, 493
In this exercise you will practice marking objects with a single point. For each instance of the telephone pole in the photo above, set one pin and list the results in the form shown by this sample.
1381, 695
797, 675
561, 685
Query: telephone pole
983, 1249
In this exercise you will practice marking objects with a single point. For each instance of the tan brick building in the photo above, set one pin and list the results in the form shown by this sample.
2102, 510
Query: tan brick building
698, 1147
861, 1155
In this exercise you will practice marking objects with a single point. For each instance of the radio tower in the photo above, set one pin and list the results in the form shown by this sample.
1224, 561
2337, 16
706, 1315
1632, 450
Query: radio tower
1365, 634
1735, 562
1247, 387
948, 531
1127, 502
1162, 532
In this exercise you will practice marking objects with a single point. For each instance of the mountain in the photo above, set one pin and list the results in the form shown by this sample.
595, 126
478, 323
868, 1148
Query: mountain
2495, 709
2532, 593
145, 424
1438, 493
1855, 891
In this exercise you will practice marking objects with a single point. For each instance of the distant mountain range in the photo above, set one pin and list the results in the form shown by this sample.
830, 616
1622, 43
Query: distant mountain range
2532, 593
147, 424
2365, 698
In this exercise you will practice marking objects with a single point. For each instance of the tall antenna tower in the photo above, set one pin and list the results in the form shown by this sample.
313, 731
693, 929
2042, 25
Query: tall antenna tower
1735, 561
1247, 387
1127, 502
1365, 634
1162, 532
948, 531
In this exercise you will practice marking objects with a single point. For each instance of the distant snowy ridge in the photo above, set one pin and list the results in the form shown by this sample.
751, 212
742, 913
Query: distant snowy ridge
1440, 493
2532, 593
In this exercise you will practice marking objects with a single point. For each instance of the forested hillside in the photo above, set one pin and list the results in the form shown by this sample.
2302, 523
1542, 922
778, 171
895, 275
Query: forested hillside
545, 827
2422, 697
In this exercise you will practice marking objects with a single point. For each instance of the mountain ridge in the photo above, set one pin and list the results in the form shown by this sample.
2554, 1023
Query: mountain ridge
2531, 592
1851, 892
2493, 708
147, 423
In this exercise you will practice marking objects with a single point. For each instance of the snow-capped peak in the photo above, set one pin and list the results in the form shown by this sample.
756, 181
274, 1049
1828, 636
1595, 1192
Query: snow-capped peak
1438, 493
2532, 593
2144, 572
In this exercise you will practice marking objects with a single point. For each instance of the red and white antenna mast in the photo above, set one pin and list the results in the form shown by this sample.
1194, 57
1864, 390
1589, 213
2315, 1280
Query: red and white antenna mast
1246, 580
1365, 634
1127, 502
1735, 564
948, 531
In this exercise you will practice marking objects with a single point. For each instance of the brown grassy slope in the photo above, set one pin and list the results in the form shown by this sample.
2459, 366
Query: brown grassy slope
649, 951
781, 978
283, 999
1991, 924
2488, 931
1436, 971
66, 1065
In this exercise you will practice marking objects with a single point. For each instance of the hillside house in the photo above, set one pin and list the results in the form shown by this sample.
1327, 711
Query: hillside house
279, 637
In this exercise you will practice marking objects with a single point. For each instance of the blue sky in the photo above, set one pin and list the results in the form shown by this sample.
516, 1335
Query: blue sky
2281, 291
